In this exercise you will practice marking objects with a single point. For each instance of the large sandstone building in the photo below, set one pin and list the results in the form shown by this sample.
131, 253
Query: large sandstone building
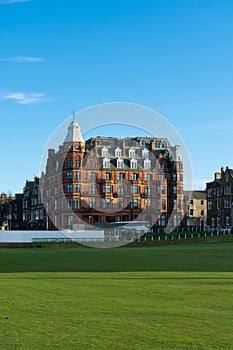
107, 179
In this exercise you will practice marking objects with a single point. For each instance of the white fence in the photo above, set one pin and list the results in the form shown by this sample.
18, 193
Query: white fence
53, 236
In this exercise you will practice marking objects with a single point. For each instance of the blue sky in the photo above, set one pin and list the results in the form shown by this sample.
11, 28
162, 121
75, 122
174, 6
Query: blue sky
173, 56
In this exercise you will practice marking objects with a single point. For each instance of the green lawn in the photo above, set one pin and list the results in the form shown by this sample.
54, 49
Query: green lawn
165, 297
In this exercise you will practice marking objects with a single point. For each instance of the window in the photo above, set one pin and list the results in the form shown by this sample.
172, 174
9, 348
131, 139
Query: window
202, 213
77, 188
174, 204
70, 221
162, 220
174, 190
148, 177
212, 221
77, 175
218, 221
148, 203
107, 203
157, 144
218, 204
120, 203
191, 212
147, 190
92, 175
143, 143
191, 201
121, 176
164, 144
92, 189
133, 164
120, 190
174, 177
135, 189
120, 163
77, 203
209, 205
107, 176
131, 153
92, 203
118, 152
134, 176
69, 188
134, 203
106, 189
161, 166
77, 163
202, 202
69, 175
145, 153
147, 164
70, 203
161, 177
163, 189
104, 152
106, 163
164, 204
158, 204
69, 163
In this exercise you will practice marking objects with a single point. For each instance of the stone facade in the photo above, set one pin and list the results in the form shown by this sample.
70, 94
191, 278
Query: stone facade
196, 208
107, 179
220, 199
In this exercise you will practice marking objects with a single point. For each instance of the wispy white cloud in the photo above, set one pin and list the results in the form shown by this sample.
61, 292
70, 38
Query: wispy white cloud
12, 1
24, 98
22, 59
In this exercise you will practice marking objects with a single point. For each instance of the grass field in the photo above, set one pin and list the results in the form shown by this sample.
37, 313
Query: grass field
162, 297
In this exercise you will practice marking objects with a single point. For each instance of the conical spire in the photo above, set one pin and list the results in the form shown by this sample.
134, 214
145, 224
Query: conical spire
74, 132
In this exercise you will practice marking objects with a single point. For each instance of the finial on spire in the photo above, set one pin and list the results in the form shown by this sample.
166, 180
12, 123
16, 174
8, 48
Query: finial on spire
73, 115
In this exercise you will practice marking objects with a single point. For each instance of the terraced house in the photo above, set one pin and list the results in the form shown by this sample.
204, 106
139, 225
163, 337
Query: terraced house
107, 179
220, 199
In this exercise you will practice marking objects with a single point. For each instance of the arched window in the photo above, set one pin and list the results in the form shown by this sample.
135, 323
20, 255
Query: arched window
121, 176
143, 143
107, 176
157, 144
164, 144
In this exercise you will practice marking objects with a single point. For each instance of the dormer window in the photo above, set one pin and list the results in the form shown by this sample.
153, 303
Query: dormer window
145, 153
147, 164
120, 163
133, 164
157, 144
106, 163
164, 144
132, 153
143, 143
104, 152
118, 152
